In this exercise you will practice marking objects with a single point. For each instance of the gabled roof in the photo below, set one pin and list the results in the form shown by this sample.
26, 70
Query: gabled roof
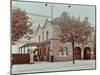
38, 27
46, 21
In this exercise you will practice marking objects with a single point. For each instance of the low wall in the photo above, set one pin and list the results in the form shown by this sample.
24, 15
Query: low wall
63, 58
20, 58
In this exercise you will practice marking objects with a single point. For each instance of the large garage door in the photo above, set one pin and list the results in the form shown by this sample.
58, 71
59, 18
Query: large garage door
77, 53
87, 53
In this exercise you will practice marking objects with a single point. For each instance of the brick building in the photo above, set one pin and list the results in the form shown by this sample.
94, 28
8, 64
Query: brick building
48, 44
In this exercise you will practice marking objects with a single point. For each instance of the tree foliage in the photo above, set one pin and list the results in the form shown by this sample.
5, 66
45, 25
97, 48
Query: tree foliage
20, 24
72, 29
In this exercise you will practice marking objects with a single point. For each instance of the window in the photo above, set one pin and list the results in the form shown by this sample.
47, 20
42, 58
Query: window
42, 35
61, 53
47, 35
39, 38
66, 49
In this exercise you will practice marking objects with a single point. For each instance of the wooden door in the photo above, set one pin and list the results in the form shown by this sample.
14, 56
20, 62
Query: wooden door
87, 53
77, 53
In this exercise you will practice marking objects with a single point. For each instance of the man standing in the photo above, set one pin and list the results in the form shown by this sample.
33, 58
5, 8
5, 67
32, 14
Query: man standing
31, 56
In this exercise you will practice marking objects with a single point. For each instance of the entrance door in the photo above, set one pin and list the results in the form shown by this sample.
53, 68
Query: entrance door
41, 58
77, 53
87, 53
48, 54
42, 54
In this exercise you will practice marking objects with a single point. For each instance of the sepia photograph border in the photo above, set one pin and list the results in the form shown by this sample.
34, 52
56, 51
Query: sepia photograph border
47, 3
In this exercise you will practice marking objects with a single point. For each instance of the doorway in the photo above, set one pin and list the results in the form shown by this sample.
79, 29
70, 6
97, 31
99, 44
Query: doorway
87, 53
77, 53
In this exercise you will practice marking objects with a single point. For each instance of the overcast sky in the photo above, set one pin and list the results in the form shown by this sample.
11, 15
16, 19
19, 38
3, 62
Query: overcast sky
40, 8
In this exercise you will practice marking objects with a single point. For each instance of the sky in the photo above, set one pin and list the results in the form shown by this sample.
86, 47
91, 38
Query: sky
41, 9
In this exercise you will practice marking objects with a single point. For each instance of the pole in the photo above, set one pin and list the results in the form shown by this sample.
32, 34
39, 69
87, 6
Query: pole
51, 11
73, 50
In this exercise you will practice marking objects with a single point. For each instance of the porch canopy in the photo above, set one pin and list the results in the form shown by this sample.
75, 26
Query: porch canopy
29, 45
22, 49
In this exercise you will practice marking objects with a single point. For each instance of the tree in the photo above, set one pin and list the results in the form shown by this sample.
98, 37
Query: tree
20, 24
72, 29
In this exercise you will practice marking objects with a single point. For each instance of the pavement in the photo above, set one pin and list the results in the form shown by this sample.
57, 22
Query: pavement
55, 66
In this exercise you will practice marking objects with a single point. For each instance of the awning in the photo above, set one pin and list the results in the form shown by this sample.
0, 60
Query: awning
43, 42
29, 45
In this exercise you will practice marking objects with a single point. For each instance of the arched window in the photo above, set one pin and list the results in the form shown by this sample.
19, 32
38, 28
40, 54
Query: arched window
39, 38
47, 35
42, 35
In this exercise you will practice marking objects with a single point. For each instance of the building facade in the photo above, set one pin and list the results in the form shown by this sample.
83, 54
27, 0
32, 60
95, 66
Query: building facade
48, 44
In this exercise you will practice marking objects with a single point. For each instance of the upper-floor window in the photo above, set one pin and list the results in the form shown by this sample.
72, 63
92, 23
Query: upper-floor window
42, 35
47, 35
39, 38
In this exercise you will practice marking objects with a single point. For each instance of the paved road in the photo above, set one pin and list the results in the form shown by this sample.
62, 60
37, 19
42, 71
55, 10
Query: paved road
55, 66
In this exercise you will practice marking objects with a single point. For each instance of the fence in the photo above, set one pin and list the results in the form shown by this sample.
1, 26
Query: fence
20, 58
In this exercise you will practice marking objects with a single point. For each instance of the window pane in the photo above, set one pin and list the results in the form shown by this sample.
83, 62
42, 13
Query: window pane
60, 54
66, 50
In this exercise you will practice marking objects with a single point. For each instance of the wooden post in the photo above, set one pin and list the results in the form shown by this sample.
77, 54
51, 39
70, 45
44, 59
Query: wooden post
28, 50
21, 50
24, 50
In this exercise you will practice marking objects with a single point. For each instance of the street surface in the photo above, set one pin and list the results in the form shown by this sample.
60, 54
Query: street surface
55, 66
